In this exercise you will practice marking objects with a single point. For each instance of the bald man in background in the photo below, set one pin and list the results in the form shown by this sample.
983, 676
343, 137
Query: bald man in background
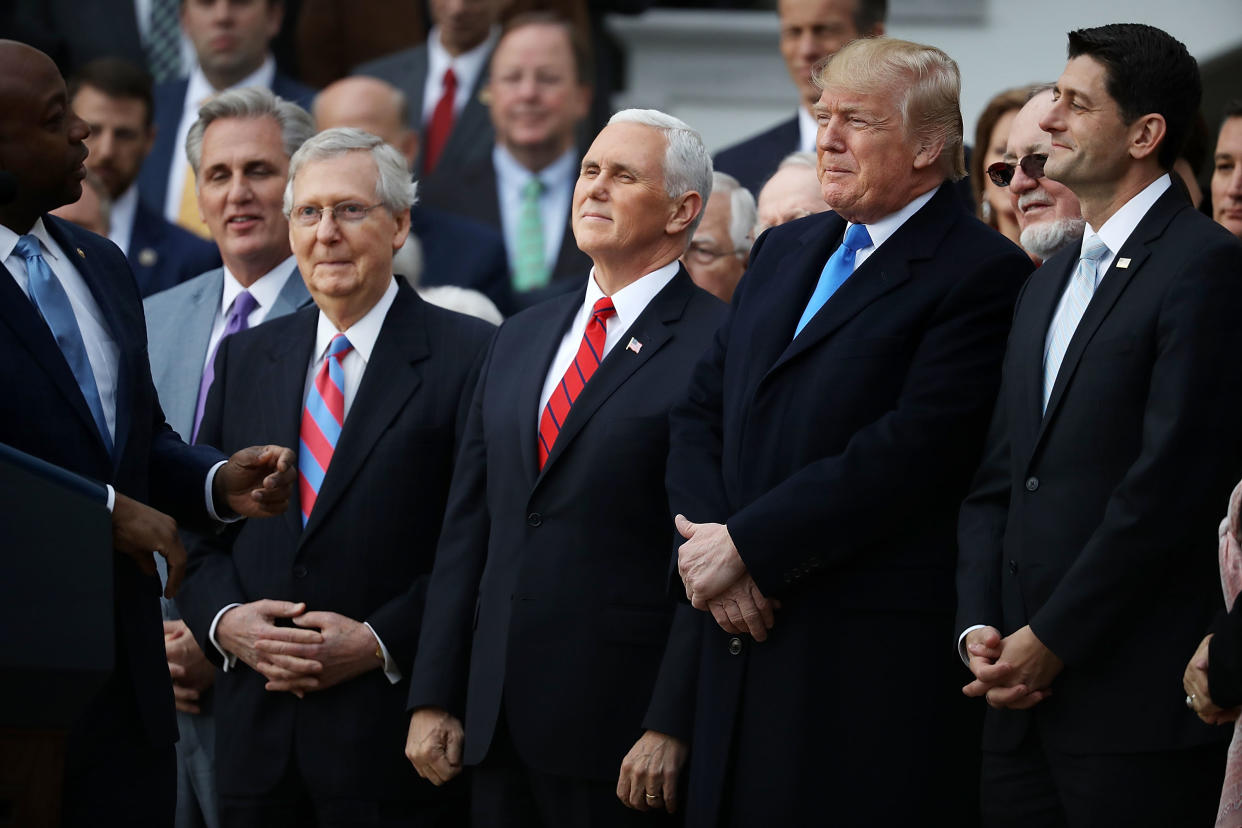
456, 251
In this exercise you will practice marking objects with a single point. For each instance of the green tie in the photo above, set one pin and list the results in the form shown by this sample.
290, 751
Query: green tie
530, 270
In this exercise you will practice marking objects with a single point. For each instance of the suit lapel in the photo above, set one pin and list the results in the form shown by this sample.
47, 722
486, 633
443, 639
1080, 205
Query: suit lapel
392, 376
283, 380
543, 351
653, 329
293, 296
1043, 292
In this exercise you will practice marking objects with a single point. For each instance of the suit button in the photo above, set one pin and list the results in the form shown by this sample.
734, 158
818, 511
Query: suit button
735, 645
1013, 567
534, 519
1032, 483
299, 571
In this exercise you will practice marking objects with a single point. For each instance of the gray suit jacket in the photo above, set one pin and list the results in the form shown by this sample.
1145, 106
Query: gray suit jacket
179, 324
472, 136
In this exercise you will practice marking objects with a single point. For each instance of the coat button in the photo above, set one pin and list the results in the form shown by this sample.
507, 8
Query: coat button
1032, 483
735, 645
534, 519
299, 571
1013, 567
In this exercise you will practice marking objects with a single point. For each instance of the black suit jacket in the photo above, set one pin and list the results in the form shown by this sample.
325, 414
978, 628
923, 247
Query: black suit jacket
473, 193
753, 161
365, 553
1095, 522
458, 251
837, 460
45, 414
548, 595
164, 255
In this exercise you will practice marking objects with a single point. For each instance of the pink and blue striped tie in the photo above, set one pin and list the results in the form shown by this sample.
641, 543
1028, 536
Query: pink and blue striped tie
322, 419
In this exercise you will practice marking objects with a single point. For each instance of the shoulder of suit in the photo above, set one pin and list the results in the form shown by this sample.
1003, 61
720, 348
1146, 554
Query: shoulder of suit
742, 150
167, 300
393, 66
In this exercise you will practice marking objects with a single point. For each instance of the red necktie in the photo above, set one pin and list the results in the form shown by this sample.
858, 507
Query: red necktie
441, 122
590, 353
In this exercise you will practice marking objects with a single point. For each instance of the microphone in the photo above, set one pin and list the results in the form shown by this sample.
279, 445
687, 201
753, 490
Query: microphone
8, 187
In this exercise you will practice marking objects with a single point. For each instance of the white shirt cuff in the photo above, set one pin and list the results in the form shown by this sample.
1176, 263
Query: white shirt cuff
229, 659
390, 666
111, 497
961, 643
211, 505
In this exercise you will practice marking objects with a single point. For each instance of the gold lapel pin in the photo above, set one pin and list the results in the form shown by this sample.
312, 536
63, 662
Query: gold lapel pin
80, 253
1123, 263
147, 257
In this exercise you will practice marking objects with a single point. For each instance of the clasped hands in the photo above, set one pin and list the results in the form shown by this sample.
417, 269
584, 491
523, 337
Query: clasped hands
1014, 672
322, 650
716, 580
255, 482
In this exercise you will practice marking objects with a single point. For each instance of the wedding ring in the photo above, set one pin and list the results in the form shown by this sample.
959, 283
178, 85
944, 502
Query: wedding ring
652, 797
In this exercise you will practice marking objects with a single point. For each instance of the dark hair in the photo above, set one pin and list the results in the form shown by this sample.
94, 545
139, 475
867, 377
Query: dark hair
116, 78
1010, 100
584, 63
1233, 109
1146, 71
868, 14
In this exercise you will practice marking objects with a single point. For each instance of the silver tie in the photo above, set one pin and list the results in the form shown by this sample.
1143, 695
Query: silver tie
1069, 312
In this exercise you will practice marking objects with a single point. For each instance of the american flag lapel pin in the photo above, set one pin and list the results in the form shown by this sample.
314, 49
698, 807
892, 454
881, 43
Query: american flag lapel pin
634, 345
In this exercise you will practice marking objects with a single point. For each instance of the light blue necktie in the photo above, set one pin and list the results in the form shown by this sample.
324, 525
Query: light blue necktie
839, 267
1069, 311
53, 303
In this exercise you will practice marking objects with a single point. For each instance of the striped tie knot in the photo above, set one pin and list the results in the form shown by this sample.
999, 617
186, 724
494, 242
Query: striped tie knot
1093, 251
602, 310
339, 347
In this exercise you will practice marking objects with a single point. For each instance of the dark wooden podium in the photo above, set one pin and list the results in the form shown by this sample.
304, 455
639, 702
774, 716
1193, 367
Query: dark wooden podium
56, 626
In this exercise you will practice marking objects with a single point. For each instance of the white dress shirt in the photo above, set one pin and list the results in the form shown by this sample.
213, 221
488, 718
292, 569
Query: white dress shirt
466, 67
1115, 233
265, 291
558, 180
362, 335
882, 230
808, 131
121, 219
629, 301
198, 90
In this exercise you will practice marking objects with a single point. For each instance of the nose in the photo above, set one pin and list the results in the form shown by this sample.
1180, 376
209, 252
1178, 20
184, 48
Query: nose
79, 130
1021, 182
808, 46
1053, 120
240, 190
327, 230
828, 136
1235, 183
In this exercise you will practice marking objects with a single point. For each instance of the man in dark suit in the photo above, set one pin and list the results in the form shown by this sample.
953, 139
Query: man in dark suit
443, 81
539, 91
455, 250
81, 398
114, 98
231, 42
811, 30
1086, 542
547, 612
374, 383
819, 460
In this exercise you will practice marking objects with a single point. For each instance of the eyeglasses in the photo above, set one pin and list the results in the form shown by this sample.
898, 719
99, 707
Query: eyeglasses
1032, 166
704, 255
347, 212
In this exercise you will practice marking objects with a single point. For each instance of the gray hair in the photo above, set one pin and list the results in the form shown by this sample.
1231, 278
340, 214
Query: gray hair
687, 166
801, 158
742, 211
296, 124
393, 186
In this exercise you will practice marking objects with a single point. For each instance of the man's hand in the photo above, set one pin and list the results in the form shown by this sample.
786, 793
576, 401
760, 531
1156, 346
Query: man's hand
242, 627
140, 531
256, 482
434, 743
191, 672
346, 649
649, 772
742, 608
708, 561
1195, 680
1019, 677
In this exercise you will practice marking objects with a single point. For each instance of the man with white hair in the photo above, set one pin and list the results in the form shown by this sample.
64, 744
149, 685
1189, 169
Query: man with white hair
1048, 212
314, 618
547, 611
720, 249
825, 444
793, 192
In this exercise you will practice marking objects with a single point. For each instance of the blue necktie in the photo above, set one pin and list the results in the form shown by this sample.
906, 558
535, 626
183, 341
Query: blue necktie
1073, 305
50, 298
840, 266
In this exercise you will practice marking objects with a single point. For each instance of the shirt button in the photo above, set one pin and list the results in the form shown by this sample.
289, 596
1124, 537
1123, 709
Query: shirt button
735, 645
534, 519
1013, 567
1032, 483
299, 571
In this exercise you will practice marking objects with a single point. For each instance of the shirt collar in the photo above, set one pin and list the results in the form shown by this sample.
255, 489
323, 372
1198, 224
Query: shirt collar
265, 290
121, 220
200, 89
508, 167
8, 240
1116, 231
808, 130
631, 300
467, 66
363, 333
881, 230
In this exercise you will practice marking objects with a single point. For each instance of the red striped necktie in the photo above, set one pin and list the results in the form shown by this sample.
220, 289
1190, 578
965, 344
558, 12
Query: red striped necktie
322, 419
590, 354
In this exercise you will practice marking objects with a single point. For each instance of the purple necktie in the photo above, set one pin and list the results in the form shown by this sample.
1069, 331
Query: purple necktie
238, 320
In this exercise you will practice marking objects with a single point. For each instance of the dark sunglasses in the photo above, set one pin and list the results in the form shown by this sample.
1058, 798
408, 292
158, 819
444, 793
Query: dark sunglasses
1032, 165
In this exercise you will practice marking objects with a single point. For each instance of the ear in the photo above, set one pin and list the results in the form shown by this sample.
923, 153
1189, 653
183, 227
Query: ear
685, 209
928, 153
1146, 135
403, 229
